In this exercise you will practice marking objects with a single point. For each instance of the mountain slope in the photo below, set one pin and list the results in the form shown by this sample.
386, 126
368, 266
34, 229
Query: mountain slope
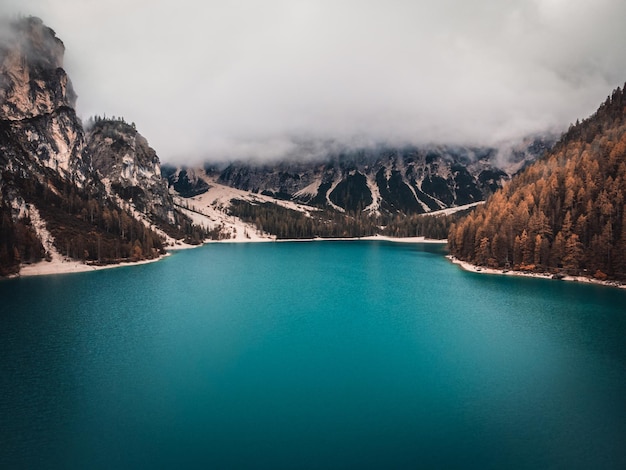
384, 181
565, 213
54, 203
353, 194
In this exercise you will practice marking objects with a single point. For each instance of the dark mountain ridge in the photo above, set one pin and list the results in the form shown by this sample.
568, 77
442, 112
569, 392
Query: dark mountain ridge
408, 180
380, 181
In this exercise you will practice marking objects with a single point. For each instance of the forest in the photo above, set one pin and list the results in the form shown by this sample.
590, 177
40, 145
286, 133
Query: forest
84, 227
287, 223
563, 214
18, 242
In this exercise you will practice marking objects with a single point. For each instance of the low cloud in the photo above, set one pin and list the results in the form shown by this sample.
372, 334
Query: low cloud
216, 80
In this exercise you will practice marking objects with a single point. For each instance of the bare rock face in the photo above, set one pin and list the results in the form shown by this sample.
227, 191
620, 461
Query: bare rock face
41, 139
129, 167
188, 182
37, 100
31, 70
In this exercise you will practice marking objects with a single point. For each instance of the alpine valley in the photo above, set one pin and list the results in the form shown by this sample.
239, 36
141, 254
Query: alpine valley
368, 350
95, 193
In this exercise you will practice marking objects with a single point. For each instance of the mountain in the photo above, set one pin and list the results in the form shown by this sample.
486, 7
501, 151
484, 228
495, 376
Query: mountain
408, 180
187, 182
37, 103
63, 194
98, 193
565, 213
129, 168
355, 193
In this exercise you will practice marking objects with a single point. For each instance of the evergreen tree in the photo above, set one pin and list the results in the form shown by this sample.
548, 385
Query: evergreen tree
566, 211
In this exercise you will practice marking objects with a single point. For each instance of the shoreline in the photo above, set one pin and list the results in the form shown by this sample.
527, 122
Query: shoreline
62, 266
45, 268
381, 238
323, 239
504, 272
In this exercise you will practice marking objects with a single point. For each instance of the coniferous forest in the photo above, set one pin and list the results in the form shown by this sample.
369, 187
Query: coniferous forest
565, 213
84, 228
287, 223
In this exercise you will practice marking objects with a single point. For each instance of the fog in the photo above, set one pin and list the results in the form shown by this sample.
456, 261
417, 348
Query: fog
215, 80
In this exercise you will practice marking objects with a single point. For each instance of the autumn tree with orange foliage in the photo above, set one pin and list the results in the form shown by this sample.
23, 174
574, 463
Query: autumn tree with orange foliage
565, 213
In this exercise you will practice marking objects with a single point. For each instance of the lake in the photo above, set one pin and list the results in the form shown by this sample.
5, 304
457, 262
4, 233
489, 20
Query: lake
310, 355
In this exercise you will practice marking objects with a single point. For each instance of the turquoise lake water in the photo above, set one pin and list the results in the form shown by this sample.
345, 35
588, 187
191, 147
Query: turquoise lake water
310, 355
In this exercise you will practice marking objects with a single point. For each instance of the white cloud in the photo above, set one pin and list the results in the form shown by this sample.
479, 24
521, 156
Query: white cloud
216, 79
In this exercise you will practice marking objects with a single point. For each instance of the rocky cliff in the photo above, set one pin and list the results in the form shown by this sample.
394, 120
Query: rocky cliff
129, 167
55, 203
37, 101
187, 182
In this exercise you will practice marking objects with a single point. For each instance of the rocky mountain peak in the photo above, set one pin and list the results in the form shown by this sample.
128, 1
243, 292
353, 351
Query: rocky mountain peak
32, 80
129, 166
37, 102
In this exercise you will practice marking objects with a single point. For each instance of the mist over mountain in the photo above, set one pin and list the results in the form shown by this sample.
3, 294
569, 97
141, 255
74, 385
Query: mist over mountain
407, 180
401, 192
223, 81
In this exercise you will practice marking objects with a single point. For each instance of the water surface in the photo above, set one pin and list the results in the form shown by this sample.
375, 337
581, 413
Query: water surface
310, 355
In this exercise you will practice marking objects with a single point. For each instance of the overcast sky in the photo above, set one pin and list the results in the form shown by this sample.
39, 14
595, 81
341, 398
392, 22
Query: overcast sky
215, 79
